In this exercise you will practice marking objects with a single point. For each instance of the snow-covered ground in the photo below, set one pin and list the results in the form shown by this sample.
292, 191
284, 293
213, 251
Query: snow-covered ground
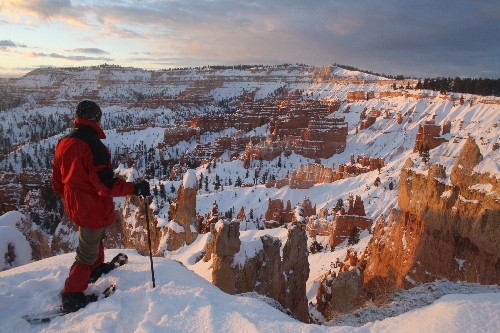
182, 301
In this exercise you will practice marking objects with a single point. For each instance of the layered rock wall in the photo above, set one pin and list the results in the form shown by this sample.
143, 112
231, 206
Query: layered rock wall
446, 229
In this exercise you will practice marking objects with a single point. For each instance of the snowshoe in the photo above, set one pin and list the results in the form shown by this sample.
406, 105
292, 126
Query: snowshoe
119, 260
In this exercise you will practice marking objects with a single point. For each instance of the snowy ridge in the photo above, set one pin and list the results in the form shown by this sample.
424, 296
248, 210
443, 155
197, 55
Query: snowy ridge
184, 302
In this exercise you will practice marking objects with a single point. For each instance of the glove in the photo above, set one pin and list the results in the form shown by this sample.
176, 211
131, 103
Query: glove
142, 189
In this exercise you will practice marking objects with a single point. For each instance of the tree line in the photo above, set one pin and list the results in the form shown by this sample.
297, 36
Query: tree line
482, 87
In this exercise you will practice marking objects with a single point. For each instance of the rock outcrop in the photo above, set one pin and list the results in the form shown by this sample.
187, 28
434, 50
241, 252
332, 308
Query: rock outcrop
282, 278
223, 245
135, 226
445, 230
342, 292
212, 218
344, 222
182, 228
295, 272
37, 239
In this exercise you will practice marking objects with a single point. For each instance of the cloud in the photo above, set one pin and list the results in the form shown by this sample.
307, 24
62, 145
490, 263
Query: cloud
8, 43
46, 10
31, 23
59, 56
89, 50
138, 59
420, 38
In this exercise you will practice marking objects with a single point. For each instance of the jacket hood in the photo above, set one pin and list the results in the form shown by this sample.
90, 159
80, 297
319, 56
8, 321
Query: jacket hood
100, 132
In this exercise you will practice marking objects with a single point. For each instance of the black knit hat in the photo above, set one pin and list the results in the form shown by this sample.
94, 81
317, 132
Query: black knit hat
88, 110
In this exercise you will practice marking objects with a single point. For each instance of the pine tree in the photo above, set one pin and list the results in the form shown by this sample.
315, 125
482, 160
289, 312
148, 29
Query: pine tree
238, 182
200, 182
163, 193
338, 205
426, 156
354, 236
315, 246
217, 182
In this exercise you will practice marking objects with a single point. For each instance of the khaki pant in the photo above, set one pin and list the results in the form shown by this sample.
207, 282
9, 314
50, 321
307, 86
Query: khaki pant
87, 251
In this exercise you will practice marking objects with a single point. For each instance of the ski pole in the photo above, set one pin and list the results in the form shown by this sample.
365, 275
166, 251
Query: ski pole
149, 241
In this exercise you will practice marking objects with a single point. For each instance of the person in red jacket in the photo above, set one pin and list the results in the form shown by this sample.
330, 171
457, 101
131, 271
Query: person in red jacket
82, 174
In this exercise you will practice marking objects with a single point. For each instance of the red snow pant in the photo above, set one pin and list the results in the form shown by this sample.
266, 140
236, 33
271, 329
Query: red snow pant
89, 255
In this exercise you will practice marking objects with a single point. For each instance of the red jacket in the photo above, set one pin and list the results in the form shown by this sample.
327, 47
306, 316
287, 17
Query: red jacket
82, 174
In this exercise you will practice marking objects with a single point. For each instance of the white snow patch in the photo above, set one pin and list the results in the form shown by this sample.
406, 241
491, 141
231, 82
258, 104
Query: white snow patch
173, 225
488, 165
446, 194
189, 180
21, 248
409, 279
460, 263
247, 250
483, 188
11, 219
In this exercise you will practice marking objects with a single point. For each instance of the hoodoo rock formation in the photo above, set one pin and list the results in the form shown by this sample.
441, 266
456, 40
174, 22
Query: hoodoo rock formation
182, 228
281, 278
428, 135
277, 214
223, 245
212, 218
344, 222
446, 229
135, 228
343, 292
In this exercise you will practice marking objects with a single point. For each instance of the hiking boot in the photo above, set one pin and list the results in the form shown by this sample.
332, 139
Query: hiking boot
119, 260
74, 301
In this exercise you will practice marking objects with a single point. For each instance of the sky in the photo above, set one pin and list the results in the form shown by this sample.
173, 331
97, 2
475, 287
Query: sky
416, 38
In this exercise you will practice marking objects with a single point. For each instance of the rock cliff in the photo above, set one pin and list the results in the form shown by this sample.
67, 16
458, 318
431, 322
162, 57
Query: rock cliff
446, 229
259, 266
